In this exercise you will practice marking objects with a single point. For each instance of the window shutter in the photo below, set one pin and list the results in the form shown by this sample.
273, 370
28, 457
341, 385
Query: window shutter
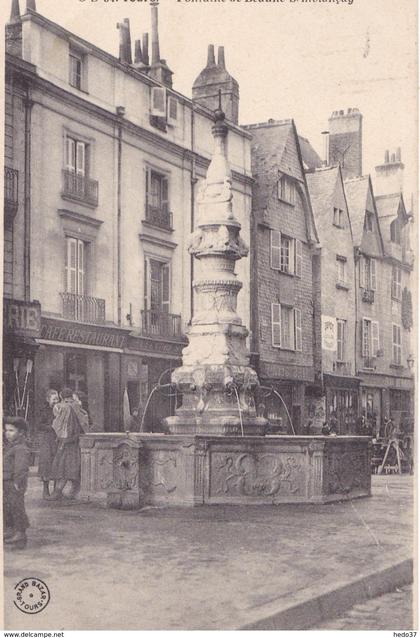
394, 282
146, 284
172, 111
298, 258
71, 265
70, 155
372, 274
365, 339
275, 239
147, 191
276, 324
80, 158
291, 267
80, 267
164, 195
375, 338
165, 287
298, 330
158, 101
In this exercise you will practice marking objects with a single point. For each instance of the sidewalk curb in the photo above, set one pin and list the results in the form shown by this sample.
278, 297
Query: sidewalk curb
313, 611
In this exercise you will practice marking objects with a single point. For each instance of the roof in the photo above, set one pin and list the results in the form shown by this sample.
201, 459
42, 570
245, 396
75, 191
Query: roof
310, 157
388, 205
321, 184
275, 140
356, 190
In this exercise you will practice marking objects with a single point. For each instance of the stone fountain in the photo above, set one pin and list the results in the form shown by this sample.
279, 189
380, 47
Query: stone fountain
217, 451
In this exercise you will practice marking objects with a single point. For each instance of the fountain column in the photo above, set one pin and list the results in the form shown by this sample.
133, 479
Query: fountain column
215, 379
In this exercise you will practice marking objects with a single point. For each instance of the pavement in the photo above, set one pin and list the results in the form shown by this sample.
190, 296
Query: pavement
394, 610
212, 567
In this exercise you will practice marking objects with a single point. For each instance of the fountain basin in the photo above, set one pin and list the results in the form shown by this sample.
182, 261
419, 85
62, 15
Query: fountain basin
129, 471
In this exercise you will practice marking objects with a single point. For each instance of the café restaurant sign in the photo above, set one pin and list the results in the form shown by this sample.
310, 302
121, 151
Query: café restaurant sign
83, 335
21, 317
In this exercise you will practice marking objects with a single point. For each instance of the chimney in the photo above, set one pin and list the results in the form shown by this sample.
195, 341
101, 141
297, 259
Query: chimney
389, 176
15, 12
14, 31
210, 56
31, 4
138, 56
125, 41
214, 78
221, 57
345, 141
146, 49
155, 34
326, 135
159, 70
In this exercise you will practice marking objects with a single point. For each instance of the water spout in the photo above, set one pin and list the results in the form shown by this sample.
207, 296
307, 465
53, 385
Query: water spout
271, 390
155, 389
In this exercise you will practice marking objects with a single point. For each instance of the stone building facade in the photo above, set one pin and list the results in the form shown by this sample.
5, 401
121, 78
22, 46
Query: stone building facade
282, 242
334, 302
114, 156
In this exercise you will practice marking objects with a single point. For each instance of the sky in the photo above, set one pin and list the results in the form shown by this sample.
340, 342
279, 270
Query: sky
300, 60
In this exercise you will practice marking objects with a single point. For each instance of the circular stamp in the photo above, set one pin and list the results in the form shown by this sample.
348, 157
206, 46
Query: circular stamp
31, 595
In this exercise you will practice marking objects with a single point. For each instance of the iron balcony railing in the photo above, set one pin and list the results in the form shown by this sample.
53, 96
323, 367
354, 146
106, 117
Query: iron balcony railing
11, 184
368, 295
342, 367
159, 217
155, 323
80, 188
83, 308
369, 363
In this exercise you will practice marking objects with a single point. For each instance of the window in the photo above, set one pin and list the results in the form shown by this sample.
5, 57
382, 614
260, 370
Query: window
156, 286
396, 344
367, 273
370, 338
157, 199
396, 283
395, 229
338, 218
285, 253
77, 156
75, 265
341, 339
172, 111
286, 190
369, 222
76, 69
158, 102
286, 327
341, 269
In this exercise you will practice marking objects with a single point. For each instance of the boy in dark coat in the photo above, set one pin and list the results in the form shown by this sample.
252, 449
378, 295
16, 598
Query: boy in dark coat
16, 461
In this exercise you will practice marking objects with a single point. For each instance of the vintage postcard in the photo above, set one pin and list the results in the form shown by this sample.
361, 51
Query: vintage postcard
209, 315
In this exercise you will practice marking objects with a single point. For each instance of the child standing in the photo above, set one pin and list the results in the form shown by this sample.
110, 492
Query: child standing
16, 461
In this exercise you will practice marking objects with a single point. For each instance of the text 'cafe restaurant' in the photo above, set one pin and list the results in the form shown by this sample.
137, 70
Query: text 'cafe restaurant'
100, 361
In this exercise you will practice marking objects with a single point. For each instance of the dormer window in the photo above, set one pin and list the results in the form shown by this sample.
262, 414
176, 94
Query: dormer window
369, 222
338, 218
395, 232
286, 190
163, 109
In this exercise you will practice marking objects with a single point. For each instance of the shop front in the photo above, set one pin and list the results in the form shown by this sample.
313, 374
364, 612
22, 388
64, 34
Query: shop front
21, 327
387, 397
87, 359
342, 402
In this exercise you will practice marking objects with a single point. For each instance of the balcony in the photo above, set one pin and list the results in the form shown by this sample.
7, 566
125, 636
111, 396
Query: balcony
342, 368
160, 324
369, 363
83, 308
11, 182
159, 217
80, 188
368, 295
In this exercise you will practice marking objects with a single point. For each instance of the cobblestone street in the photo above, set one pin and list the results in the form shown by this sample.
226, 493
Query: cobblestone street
207, 567
393, 611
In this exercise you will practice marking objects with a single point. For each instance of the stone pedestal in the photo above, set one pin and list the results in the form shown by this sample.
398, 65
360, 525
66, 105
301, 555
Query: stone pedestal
202, 469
